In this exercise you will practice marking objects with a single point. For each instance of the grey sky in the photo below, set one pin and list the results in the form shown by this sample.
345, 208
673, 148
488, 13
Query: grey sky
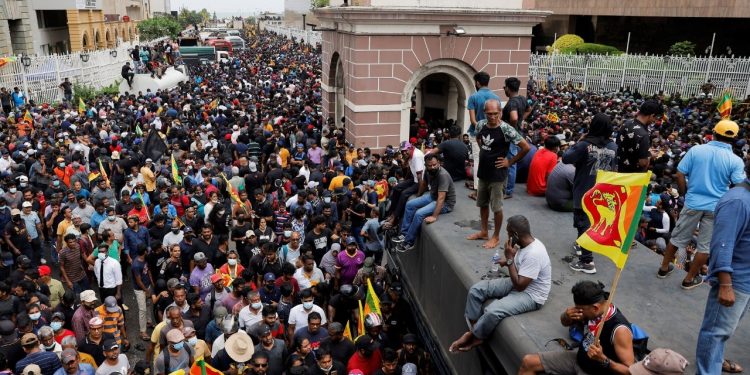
229, 7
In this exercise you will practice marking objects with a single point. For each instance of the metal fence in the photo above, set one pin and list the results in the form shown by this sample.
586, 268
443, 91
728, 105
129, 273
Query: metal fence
647, 73
309, 36
40, 80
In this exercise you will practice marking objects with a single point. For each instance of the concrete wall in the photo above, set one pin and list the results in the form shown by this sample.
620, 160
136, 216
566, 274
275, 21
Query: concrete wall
646, 8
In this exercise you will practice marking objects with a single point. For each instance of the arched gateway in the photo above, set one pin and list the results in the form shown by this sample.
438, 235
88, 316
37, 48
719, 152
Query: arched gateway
385, 58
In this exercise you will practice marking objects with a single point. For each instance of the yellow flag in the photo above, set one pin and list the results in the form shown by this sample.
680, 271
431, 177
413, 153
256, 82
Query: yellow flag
348, 332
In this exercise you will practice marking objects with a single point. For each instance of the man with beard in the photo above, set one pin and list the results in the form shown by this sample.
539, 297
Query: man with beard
275, 349
411, 353
72, 266
340, 347
199, 314
440, 199
83, 314
10, 345
327, 365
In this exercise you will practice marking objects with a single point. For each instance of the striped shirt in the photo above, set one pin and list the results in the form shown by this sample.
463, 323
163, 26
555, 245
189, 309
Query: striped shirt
72, 262
111, 322
48, 362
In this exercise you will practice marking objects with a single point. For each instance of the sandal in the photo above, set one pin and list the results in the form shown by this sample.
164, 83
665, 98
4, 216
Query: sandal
731, 367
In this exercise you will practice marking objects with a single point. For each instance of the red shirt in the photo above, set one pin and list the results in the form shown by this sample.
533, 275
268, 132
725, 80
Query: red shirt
64, 333
368, 366
541, 166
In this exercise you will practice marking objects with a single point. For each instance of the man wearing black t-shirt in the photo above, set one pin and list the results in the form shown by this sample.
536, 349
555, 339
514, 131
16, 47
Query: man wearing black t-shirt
514, 112
633, 142
455, 154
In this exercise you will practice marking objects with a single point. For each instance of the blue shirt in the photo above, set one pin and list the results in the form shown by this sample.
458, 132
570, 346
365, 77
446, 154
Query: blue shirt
97, 219
709, 169
83, 369
476, 103
730, 242
134, 238
48, 362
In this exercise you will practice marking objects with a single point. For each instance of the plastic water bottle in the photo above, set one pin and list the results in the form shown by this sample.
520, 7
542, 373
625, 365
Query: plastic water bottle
495, 258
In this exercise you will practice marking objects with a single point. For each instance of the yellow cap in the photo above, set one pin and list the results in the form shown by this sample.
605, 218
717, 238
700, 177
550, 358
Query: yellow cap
727, 128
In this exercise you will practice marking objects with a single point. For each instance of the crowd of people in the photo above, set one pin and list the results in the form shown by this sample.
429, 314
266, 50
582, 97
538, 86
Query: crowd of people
250, 229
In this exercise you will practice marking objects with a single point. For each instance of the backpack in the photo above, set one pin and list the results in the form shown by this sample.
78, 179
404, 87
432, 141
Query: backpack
165, 352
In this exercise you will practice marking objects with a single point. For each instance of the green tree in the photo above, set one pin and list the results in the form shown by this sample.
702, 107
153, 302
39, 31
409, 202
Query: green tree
205, 16
158, 27
684, 48
188, 17
320, 3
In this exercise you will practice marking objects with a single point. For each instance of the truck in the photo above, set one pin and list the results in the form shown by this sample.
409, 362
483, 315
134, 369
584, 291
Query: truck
198, 55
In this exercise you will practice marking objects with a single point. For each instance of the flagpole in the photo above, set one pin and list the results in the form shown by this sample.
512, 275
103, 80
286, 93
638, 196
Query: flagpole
605, 308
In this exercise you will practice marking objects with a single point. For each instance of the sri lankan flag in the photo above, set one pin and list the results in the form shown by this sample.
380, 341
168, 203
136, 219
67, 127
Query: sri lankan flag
81, 106
176, 172
27, 117
200, 367
102, 172
361, 322
725, 105
372, 302
214, 104
614, 208
233, 193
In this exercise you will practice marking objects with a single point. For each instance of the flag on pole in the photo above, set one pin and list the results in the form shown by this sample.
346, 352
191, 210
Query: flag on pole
27, 117
348, 332
372, 302
138, 131
200, 367
214, 104
176, 172
159, 110
233, 193
725, 105
81, 106
102, 172
614, 208
361, 322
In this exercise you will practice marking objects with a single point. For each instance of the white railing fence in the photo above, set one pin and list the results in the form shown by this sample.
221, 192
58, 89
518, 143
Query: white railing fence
309, 36
42, 78
647, 73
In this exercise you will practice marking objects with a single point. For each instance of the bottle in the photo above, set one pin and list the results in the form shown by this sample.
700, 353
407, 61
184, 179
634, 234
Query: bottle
495, 258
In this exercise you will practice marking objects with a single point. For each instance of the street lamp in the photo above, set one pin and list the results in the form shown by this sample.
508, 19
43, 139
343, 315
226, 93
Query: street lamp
26, 61
113, 53
84, 57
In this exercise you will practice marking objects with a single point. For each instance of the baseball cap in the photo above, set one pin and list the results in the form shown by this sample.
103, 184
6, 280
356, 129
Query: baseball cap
410, 338
369, 265
29, 339
44, 270
215, 277
15, 212
95, 321
660, 361
175, 335
26, 204
111, 304
58, 315
109, 344
727, 128
68, 355
405, 145
269, 277
350, 240
88, 296
250, 233
23, 259
366, 342
7, 328
199, 257
32, 369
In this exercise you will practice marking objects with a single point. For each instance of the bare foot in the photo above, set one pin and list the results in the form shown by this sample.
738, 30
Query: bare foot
491, 243
462, 341
477, 236
471, 345
473, 195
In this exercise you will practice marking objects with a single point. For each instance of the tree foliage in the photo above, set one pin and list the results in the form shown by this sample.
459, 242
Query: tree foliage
189, 17
320, 3
591, 49
205, 16
684, 48
566, 41
158, 27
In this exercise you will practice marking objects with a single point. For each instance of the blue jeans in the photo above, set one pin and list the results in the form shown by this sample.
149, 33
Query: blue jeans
719, 323
511, 183
416, 210
507, 302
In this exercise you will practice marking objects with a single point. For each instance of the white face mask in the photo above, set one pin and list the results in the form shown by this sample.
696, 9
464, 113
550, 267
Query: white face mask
287, 233
232, 262
327, 199
102, 256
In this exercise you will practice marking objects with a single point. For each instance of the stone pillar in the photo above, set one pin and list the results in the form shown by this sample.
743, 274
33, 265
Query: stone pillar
6, 47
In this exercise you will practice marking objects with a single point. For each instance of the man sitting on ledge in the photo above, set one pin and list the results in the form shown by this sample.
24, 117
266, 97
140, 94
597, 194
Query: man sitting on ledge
525, 290
440, 199
611, 354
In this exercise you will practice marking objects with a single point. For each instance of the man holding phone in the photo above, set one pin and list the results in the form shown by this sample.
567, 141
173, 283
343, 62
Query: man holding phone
525, 290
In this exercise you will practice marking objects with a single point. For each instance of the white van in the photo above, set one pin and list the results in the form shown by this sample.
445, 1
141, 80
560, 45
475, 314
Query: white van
237, 42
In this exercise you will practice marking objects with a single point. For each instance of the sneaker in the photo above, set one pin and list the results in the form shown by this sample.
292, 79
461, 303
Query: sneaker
398, 239
582, 267
404, 247
696, 281
663, 274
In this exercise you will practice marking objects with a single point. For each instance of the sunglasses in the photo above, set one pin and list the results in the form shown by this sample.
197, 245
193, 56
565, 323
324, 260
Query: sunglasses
260, 364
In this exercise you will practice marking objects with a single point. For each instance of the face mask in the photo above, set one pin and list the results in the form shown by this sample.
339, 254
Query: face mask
232, 262
102, 256
256, 305
326, 369
12, 190
178, 346
327, 199
48, 347
111, 217
35, 316
23, 184
192, 341
3, 207
175, 231
307, 305
56, 326
287, 233
62, 165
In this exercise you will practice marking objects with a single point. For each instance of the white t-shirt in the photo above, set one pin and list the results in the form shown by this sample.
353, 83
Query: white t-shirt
298, 316
416, 163
247, 318
304, 282
533, 262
